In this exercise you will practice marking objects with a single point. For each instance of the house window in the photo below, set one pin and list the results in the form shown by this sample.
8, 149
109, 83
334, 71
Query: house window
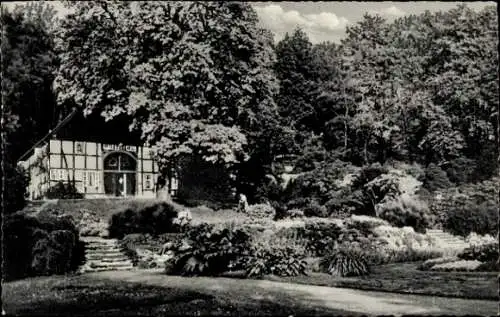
148, 182
90, 179
79, 147
62, 175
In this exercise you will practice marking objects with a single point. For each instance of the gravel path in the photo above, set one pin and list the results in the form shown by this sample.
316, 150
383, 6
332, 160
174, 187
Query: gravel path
364, 302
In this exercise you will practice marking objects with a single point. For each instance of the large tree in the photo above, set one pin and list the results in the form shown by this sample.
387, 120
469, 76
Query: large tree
28, 63
28, 103
194, 76
298, 82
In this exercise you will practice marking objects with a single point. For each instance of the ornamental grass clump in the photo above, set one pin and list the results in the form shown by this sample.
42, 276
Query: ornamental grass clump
344, 261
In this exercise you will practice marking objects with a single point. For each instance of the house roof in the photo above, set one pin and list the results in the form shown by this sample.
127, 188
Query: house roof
51, 132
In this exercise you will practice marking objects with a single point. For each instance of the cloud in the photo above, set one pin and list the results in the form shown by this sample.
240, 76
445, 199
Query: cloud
319, 27
392, 11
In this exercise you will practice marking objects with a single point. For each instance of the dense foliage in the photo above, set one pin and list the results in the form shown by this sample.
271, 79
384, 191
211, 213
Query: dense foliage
154, 219
209, 250
484, 252
198, 85
405, 211
204, 85
63, 191
41, 245
28, 107
481, 219
275, 260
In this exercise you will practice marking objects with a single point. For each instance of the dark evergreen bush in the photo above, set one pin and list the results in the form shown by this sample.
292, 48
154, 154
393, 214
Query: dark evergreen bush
63, 191
155, 219
39, 246
481, 219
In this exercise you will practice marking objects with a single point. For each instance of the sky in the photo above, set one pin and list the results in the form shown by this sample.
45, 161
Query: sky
327, 20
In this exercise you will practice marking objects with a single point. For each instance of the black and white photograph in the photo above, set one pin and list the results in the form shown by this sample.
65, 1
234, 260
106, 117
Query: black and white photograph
230, 158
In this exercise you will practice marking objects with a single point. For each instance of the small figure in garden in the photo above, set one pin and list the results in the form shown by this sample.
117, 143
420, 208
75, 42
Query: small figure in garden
162, 189
243, 204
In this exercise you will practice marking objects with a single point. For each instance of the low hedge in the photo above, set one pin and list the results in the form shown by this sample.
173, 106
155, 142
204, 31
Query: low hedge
155, 219
35, 246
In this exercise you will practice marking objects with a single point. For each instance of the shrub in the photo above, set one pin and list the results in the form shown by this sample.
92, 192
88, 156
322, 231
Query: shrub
345, 261
63, 191
320, 237
155, 219
405, 211
482, 219
275, 260
209, 250
484, 253
342, 203
435, 178
261, 211
39, 246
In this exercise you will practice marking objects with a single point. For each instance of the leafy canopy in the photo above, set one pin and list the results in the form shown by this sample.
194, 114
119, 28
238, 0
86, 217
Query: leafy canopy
195, 76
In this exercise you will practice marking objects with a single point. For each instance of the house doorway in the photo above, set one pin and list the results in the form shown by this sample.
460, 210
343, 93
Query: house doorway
120, 174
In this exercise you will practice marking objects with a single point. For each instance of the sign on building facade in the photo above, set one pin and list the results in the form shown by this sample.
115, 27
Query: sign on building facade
96, 170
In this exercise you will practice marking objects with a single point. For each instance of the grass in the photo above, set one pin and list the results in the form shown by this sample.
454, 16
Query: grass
202, 214
87, 295
405, 278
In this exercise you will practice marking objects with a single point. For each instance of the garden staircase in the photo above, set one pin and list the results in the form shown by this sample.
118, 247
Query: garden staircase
451, 241
104, 255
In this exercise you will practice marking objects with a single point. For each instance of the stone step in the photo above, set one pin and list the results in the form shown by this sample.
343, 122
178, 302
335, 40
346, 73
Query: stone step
91, 270
102, 247
122, 263
106, 243
110, 254
96, 256
107, 259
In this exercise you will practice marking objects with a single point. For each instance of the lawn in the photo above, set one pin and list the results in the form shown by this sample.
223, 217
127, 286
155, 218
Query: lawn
88, 295
405, 278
